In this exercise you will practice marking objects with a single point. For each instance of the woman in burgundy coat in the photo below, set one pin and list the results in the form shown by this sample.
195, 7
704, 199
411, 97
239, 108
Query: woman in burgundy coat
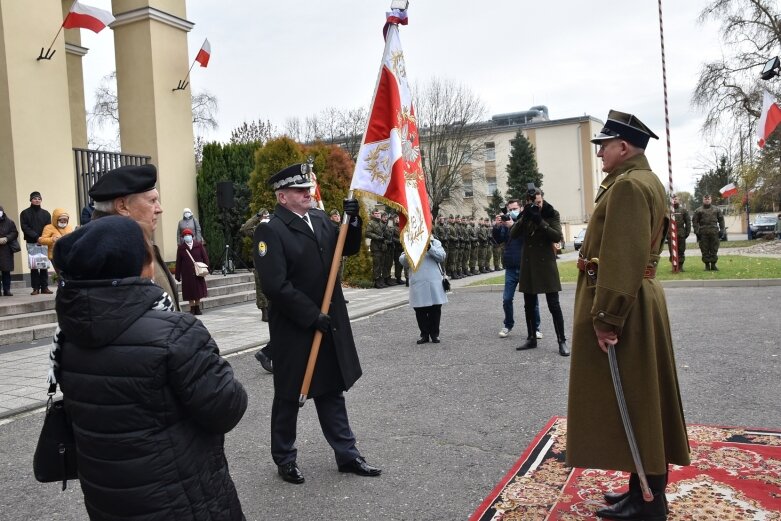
193, 287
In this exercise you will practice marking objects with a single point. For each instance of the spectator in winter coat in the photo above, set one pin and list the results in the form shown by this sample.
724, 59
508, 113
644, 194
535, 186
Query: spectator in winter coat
189, 222
145, 387
59, 227
8, 234
193, 287
33, 220
426, 294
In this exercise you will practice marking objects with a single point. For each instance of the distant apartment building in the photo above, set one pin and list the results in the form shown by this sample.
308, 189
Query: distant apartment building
565, 156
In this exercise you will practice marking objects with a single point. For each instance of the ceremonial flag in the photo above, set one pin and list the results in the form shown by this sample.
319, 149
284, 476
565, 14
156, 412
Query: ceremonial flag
768, 120
728, 190
87, 17
315, 192
204, 54
388, 166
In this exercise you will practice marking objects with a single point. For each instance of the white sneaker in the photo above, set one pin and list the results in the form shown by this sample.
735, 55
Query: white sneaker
504, 333
539, 334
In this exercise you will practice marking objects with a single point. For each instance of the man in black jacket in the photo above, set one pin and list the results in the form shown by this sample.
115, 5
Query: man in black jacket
33, 220
293, 253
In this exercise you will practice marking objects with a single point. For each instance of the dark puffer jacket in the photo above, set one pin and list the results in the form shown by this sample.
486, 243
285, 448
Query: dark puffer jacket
150, 399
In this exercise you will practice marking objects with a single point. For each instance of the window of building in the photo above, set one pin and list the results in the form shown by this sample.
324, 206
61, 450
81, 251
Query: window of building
467, 185
490, 151
442, 159
491, 185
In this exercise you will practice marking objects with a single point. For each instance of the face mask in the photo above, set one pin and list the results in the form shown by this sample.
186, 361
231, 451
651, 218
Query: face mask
514, 214
188, 239
187, 215
61, 225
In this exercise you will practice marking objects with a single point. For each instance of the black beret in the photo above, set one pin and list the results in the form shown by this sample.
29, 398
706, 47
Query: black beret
33, 195
294, 176
627, 127
111, 247
125, 180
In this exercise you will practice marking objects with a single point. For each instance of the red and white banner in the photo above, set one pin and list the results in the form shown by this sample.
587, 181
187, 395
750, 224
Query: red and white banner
83, 16
204, 54
768, 120
315, 192
388, 166
728, 190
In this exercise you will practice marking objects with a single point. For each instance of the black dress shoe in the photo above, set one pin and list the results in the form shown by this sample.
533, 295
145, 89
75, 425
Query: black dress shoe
422, 340
290, 473
634, 508
530, 343
435, 339
611, 498
360, 467
265, 361
563, 349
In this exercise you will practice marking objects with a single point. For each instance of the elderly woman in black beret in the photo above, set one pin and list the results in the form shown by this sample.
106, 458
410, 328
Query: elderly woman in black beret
148, 394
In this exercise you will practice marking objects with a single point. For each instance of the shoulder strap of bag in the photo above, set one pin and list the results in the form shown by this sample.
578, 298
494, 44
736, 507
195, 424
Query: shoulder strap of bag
187, 251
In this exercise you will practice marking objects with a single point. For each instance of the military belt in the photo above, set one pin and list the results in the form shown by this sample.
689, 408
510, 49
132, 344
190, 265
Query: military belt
590, 268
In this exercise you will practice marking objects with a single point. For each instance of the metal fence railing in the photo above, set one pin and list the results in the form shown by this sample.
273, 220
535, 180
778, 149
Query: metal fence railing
91, 164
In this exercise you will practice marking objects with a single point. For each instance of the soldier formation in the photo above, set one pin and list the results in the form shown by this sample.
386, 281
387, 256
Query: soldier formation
469, 245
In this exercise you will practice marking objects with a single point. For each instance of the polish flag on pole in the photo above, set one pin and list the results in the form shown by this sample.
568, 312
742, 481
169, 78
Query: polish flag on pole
388, 166
83, 16
728, 190
315, 192
769, 120
204, 54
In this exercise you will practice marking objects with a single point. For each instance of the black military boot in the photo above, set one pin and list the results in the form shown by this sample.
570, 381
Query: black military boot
390, 282
634, 508
713, 267
611, 498
379, 283
680, 267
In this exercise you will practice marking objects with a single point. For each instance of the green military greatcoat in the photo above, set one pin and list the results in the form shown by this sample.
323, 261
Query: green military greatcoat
625, 233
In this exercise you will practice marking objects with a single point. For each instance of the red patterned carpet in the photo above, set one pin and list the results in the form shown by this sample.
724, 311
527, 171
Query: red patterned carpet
735, 475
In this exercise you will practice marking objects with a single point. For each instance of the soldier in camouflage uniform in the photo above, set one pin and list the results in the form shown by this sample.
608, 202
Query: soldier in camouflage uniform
683, 224
264, 356
498, 248
708, 224
463, 247
474, 246
376, 235
397, 248
451, 248
388, 232
484, 234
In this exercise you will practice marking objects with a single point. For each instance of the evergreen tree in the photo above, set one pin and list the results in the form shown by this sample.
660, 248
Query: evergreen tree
494, 205
711, 182
522, 168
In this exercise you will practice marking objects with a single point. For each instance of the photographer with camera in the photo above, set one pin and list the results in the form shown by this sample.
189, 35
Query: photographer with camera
540, 228
511, 259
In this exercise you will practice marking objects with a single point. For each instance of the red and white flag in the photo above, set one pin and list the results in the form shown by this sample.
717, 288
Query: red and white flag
315, 192
388, 166
728, 190
768, 120
204, 54
83, 16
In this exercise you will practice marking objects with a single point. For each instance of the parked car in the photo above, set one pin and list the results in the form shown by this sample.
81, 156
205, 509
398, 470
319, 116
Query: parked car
579, 239
763, 225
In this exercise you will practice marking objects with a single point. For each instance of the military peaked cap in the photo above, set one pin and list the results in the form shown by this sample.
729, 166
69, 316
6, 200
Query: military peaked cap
627, 127
122, 181
294, 176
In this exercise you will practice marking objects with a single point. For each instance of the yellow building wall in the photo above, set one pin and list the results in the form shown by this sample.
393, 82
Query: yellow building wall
35, 124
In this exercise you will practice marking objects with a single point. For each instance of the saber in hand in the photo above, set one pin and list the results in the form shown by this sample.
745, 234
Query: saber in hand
630, 434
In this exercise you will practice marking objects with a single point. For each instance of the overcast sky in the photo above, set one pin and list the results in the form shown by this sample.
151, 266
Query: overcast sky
296, 58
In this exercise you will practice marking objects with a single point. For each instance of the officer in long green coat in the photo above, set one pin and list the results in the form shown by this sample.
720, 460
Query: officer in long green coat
619, 301
708, 224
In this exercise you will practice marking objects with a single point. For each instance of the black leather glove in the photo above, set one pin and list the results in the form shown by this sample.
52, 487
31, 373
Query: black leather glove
351, 207
323, 322
534, 214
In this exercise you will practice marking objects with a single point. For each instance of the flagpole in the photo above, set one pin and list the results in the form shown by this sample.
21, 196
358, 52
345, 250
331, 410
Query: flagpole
46, 55
673, 233
335, 263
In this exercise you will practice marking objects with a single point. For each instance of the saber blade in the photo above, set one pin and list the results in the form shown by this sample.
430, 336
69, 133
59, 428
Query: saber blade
630, 434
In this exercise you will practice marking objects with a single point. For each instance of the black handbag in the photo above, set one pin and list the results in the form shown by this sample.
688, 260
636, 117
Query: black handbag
14, 245
445, 281
55, 454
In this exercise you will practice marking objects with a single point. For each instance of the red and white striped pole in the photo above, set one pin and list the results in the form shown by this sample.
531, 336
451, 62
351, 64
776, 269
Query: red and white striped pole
673, 233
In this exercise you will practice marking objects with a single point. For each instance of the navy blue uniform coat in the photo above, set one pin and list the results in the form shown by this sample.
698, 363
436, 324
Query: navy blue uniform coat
293, 264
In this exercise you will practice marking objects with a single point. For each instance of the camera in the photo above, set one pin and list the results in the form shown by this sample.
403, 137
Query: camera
505, 217
531, 191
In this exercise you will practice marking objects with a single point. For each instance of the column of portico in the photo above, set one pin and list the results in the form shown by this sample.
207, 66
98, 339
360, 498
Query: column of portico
35, 121
150, 42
